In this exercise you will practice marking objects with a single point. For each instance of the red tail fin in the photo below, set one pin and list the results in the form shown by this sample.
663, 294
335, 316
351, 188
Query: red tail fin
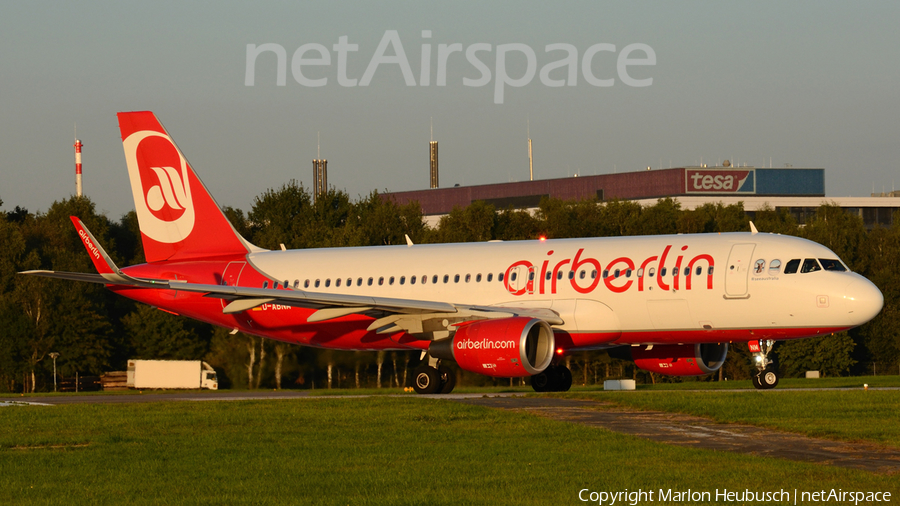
178, 217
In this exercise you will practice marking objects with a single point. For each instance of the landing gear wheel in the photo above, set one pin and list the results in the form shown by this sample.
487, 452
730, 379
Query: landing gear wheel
565, 379
768, 379
756, 383
556, 378
543, 382
426, 380
448, 379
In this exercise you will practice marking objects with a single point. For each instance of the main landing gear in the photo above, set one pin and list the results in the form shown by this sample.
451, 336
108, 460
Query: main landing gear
767, 377
433, 378
556, 378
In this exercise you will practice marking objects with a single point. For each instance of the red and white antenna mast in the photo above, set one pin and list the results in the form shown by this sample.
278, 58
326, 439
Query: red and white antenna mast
78, 188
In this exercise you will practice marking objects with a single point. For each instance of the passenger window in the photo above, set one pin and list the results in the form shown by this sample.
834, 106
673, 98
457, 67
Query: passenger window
652, 272
513, 275
687, 270
265, 285
446, 278
275, 286
412, 279
662, 272
710, 270
306, 284
402, 280
530, 275
594, 274
456, 278
581, 274
327, 282
391, 280
469, 277
317, 283
640, 273
559, 274
548, 275
571, 274
358, 281
500, 277
759, 266
369, 282
478, 278
832, 265
675, 272
792, 266
296, 284
349, 281
810, 265
381, 281
774, 267
286, 284
628, 273
434, 279
337, 282
490, 277
616, 273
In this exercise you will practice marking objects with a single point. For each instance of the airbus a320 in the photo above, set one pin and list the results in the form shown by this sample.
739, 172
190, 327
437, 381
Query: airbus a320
673, 304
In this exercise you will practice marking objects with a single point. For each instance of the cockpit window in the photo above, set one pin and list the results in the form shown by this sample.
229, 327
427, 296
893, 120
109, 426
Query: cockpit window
832, 264
792, 266
775, 267
810, 265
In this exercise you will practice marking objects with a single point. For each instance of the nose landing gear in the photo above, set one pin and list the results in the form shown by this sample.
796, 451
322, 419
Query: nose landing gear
767, 377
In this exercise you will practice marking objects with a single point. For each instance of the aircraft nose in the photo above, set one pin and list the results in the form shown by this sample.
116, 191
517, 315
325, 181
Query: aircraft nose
863, 301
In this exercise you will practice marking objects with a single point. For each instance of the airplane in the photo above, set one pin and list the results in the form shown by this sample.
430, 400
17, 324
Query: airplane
671, 303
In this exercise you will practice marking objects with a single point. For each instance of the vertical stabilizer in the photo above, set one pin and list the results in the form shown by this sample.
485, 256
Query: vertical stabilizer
178, 217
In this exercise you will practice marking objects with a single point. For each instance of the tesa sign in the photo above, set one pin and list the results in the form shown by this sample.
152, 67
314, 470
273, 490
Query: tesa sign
719, 180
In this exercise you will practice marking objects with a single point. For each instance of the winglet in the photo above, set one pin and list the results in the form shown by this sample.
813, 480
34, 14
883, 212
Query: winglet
102, 262
104, 265
753, 229
409, 242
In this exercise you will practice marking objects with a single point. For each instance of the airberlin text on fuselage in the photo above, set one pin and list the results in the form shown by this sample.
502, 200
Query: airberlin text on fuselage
620, 274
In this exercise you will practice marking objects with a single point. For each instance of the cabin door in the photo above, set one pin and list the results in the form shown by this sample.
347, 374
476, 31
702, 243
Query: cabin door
738, 270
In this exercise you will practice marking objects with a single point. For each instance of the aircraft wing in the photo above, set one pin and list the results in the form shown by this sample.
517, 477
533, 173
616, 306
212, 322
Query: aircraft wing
391, 314
396, 315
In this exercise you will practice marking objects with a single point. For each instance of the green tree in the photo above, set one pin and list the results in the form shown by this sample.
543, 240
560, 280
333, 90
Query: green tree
832, 355
474, 223
155, 334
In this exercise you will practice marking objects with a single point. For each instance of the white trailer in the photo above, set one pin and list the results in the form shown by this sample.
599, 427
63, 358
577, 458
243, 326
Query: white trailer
171, 374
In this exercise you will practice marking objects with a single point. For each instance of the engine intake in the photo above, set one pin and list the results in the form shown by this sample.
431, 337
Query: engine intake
503, 348
681, 359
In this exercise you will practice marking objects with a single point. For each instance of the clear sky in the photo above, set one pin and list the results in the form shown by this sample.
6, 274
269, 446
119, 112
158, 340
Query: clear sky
813, 84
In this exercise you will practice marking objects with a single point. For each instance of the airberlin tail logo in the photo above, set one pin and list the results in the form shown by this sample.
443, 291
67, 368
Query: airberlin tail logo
160, 186
169, 192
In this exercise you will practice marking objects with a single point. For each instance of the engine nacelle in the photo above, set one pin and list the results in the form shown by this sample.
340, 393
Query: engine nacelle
681, 359
502, 348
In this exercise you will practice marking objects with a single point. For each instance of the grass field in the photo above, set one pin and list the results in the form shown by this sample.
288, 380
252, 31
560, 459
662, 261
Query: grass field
359, 451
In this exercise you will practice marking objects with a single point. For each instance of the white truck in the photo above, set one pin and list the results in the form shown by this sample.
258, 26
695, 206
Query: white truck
171, 374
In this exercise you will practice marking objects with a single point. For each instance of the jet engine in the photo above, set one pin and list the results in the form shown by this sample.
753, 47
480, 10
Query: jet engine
502, 348
681, 359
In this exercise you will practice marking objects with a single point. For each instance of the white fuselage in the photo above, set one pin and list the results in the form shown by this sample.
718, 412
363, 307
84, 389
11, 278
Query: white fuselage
609, 290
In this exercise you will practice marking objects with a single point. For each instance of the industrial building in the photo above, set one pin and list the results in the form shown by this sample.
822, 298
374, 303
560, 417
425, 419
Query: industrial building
800, 190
